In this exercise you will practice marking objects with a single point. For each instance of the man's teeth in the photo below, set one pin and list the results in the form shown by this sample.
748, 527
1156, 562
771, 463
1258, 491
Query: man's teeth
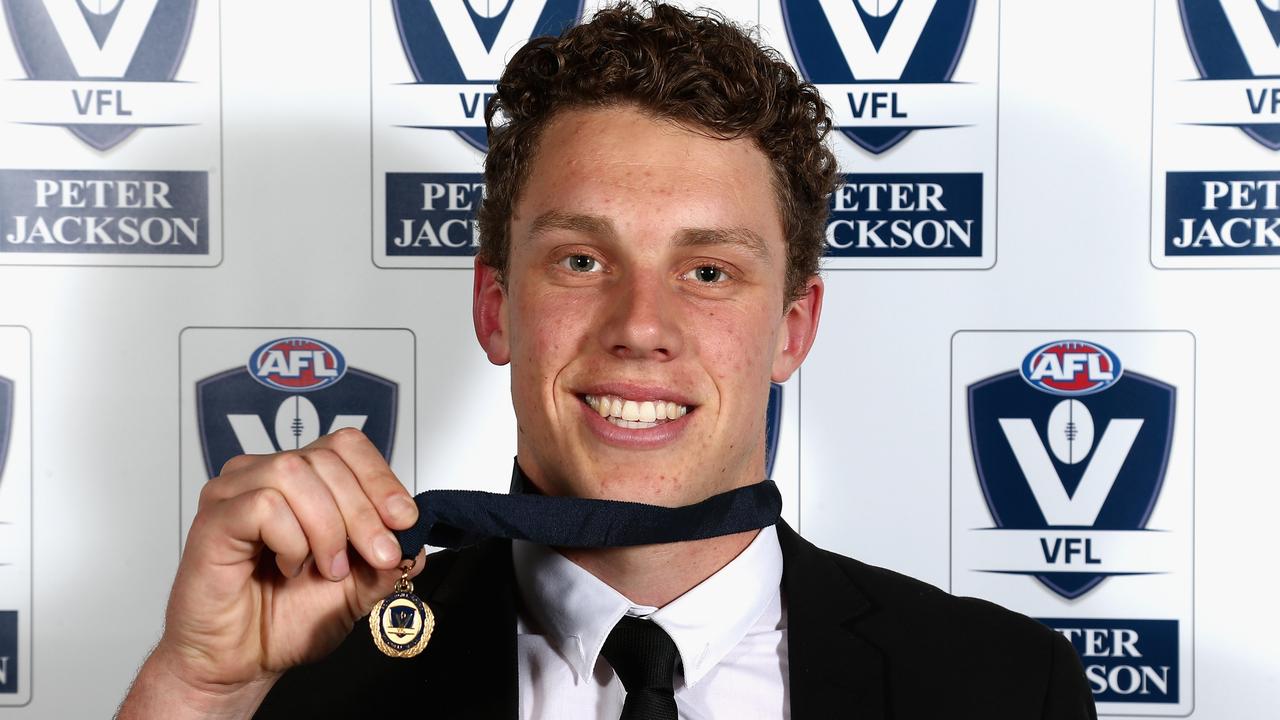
634, 413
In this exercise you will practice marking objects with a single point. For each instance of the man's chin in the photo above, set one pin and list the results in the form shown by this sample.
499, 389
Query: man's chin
642, 480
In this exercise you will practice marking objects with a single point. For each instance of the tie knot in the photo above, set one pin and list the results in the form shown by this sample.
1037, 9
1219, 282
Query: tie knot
644, 657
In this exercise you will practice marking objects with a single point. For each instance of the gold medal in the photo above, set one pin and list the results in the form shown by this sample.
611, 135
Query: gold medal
400, 622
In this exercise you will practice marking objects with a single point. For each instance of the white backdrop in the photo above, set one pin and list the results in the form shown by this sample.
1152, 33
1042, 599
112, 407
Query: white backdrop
1067, 115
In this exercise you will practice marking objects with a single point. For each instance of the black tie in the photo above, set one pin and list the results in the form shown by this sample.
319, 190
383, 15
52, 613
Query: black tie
644, 657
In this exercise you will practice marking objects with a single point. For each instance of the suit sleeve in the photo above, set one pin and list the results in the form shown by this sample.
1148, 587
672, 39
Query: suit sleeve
1068, 696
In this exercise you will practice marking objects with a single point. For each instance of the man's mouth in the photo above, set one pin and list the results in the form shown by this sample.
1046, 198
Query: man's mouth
635, 414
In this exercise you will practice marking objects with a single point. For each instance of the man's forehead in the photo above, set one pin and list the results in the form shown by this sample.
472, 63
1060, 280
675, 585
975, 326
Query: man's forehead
623, 131
598, 226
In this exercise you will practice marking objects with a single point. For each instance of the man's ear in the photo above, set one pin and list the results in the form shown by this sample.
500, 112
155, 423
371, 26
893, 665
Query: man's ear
489, 313
799, 328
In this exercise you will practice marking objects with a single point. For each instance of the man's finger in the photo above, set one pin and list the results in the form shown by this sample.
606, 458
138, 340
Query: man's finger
392, 501
316, 510
237, 476
240, 462
365, 528
233, 531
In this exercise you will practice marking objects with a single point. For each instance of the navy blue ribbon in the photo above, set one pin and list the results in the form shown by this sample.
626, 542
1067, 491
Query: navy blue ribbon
458, 518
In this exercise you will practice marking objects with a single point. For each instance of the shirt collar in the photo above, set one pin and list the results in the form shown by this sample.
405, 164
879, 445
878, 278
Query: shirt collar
576, 610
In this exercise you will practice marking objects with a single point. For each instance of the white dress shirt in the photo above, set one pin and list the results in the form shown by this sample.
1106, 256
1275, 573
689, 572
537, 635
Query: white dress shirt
731, 631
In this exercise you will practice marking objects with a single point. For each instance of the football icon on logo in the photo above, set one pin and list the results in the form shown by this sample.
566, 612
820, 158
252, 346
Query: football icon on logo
488, 8
297, 418
1070, 431
100, 7
878, 8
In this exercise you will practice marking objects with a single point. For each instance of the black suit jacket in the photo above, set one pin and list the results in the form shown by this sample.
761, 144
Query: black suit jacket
862, 642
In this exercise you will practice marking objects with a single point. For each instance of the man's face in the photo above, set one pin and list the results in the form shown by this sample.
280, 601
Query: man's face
643, 314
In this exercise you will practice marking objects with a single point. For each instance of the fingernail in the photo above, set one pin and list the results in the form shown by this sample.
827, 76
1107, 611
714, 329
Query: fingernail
386, 549
340, 567
402, 508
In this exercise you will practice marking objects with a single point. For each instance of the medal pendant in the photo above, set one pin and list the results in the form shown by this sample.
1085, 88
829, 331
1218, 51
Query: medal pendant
400, 622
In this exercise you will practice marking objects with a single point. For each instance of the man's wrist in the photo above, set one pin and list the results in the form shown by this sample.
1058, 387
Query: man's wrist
163, 690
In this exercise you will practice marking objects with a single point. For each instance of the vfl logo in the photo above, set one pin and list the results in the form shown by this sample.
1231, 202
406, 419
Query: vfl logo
1239, 40
877, 41
6, 419
1070, 443
452, 42
8, 651
95, 40
290, 392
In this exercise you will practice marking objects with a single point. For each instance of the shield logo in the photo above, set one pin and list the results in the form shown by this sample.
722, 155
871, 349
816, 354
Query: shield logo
9, 649
877, 41
6, 419
238, 414
1236, 40
1091, 462
460, 42
129, 40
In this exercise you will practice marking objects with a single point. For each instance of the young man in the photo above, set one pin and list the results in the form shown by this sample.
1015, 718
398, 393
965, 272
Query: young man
657, 189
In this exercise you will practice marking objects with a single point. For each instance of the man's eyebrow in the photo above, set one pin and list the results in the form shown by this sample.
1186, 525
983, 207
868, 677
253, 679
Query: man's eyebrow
602, 227
560, 220
742, 237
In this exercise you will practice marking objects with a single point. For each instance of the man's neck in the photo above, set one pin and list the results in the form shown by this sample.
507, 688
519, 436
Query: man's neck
657, 574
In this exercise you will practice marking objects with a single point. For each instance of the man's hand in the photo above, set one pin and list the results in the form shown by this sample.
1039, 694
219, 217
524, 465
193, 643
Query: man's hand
285, 553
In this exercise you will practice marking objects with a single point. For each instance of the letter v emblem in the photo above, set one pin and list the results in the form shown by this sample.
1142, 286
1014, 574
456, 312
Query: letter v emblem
476, 62
297, 425
1256, 42
1082, 508
112, 59
865, 61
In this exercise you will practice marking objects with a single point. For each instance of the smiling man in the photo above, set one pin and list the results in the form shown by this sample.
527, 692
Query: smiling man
657, 191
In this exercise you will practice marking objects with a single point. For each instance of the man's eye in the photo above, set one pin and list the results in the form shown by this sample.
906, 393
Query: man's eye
581, 263
709, 274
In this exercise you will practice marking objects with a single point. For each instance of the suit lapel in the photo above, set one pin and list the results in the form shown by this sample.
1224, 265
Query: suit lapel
472, 668
833, 671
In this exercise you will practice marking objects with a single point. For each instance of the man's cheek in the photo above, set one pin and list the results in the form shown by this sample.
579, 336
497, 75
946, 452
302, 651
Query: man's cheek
737, 354
558, 334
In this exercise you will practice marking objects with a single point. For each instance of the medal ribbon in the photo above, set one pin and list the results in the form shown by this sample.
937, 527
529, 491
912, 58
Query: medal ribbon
458, 518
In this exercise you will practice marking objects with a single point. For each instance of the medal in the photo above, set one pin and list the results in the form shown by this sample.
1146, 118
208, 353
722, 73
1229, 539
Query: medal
400, 622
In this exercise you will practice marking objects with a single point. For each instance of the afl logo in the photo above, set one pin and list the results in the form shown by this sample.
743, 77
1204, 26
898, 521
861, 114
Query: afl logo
297, 364
1071, 368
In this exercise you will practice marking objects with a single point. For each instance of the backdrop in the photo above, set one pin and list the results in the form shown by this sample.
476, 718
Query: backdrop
232, 226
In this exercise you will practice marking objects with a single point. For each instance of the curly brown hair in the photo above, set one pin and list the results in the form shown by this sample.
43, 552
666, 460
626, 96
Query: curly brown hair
697, 69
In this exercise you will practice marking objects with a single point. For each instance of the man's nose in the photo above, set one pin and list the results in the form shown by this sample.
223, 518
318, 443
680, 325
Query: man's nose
641, 322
